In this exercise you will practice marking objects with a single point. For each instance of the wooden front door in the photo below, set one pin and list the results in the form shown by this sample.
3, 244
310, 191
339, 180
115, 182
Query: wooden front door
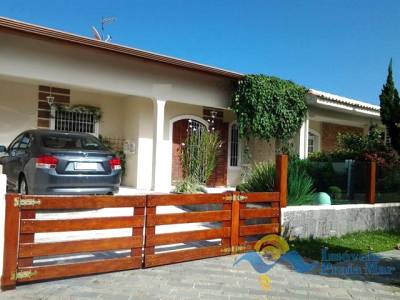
179, 134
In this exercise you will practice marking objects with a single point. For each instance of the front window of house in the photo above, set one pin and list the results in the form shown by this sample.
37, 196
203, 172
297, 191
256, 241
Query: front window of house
75, 121
234, 146
313, 142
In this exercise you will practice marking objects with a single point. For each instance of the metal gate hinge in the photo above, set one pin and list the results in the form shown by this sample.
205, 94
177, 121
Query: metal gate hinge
18, 202
235, 197
23, 275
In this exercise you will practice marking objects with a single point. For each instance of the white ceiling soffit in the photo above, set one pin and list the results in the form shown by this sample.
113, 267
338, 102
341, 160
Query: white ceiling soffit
342, 103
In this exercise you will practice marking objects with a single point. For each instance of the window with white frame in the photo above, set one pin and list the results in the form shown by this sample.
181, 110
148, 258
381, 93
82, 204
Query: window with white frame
234, 146
75, 121
313, 141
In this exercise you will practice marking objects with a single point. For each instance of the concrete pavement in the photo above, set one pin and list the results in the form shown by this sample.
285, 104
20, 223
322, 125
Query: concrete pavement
215, 278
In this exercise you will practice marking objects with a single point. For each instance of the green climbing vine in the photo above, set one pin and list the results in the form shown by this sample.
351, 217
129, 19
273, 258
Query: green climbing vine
268, 107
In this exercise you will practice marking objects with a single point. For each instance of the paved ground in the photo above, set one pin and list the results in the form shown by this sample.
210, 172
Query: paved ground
214, 278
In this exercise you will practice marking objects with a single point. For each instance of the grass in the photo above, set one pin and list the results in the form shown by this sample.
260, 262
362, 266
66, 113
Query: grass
360, 242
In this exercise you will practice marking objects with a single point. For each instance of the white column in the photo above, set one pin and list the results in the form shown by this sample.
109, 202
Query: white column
307, 129
158, 182
303, 139
3, 186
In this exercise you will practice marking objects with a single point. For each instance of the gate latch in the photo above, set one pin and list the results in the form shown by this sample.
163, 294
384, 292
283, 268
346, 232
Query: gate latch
23, 275
235, 197
18, 202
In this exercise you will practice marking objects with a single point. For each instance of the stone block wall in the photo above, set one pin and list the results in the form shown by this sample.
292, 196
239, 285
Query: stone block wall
337, 220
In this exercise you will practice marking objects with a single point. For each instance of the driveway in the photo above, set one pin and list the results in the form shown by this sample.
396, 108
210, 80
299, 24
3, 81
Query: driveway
214, 278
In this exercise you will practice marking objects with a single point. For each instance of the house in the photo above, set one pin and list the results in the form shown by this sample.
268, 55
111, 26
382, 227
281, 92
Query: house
148, 102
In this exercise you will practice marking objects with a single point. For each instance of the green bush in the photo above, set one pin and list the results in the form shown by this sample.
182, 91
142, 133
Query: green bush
335, 192
189, 186
300, 184
260, 179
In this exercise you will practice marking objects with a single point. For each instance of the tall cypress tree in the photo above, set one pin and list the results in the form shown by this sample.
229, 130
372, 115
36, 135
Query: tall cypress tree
390, 109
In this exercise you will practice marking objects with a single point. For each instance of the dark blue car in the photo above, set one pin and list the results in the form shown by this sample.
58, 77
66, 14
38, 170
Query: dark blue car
46, 162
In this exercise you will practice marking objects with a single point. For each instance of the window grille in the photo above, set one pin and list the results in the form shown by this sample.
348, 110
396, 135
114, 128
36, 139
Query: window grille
388, 141
234, 146
75, 121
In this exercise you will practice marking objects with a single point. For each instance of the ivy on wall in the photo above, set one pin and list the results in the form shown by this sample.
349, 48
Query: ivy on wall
268, 107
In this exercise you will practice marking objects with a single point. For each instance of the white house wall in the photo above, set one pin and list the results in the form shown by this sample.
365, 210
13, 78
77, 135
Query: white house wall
18, 109
73, 66
111, 124
137, 126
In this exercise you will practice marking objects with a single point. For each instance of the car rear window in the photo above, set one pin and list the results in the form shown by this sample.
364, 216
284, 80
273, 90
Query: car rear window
72, 142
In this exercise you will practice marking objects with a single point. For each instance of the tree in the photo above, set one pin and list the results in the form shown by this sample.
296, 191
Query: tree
390, 109
268, 107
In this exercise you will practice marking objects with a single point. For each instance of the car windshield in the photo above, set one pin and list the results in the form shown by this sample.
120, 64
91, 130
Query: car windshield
72, 142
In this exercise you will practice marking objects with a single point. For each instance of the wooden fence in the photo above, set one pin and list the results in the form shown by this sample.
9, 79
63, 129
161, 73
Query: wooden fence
235, 222
20, 247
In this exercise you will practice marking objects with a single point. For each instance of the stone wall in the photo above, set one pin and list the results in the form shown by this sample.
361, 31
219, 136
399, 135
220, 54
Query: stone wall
330, 132
337, 220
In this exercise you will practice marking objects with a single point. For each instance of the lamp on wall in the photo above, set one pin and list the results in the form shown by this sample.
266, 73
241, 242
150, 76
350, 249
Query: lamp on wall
50, 99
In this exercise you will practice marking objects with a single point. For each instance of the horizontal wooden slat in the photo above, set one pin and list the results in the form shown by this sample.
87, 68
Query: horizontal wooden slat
84, 202
93, 267
181, 256
259, 213
47, 249
192, 217
187, 236
258, 229
34, 226
180, 199
262, 197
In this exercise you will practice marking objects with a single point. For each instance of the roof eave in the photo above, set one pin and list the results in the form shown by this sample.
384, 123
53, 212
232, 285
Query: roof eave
31, 29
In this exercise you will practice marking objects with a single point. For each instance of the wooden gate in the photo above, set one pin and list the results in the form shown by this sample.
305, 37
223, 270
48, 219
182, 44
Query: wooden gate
234, 211
223, 232
235, 221
21, 225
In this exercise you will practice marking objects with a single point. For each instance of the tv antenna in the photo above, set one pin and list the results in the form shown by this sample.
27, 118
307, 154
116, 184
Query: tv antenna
101, 36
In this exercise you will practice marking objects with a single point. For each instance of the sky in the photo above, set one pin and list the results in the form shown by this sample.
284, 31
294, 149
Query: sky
337, 46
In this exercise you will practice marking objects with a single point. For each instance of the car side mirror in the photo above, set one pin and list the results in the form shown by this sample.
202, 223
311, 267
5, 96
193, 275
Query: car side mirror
3, 151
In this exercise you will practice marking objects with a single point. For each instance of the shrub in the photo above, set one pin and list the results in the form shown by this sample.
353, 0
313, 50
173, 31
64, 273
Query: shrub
358, 147
199, 155
300, 184
335, 192
189, 186
260, 179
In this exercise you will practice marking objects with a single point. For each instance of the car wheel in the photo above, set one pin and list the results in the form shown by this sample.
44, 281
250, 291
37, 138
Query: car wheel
23, 186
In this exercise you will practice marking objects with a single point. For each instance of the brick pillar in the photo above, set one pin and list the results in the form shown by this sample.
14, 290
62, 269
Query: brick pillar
61, 96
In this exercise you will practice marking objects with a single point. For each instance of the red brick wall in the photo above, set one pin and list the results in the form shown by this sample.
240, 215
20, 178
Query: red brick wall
61, 96
330, 132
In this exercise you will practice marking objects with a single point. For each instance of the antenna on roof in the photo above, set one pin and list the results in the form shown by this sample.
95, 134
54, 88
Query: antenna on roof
100, 36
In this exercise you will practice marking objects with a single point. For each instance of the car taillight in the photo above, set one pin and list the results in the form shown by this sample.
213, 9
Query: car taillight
46, 162
115, 164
